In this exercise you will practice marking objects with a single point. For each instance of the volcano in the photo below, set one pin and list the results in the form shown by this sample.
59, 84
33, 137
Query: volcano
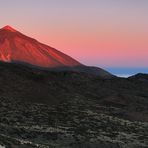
16, 47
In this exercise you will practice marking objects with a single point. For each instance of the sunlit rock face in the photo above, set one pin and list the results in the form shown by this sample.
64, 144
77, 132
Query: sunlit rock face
16, 47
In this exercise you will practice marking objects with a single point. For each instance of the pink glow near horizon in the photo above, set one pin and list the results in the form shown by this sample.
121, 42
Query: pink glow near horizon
108, 34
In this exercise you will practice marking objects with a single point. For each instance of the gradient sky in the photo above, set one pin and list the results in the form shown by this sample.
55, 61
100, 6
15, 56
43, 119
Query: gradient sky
104, 33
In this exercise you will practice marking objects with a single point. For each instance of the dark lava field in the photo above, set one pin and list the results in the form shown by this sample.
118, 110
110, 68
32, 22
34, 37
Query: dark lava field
46, 109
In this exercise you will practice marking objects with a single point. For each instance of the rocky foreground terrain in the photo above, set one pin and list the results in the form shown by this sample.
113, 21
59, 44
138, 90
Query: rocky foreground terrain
43, 109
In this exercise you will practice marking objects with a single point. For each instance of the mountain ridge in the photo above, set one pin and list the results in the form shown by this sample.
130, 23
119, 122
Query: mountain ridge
16, 47
27, 48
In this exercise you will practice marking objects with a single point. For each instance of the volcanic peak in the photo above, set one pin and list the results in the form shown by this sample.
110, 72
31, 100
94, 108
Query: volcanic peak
9, 28
18, 48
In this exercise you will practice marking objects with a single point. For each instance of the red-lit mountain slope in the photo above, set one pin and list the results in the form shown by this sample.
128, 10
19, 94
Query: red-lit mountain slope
18, 48
14, 46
